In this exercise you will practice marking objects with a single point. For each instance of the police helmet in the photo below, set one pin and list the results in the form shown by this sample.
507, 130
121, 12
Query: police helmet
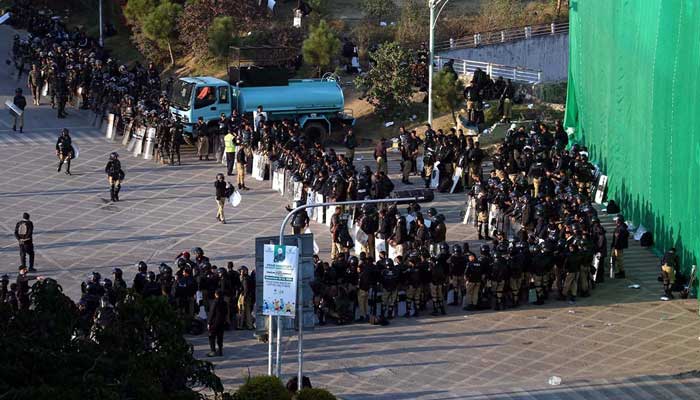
485, 249
221, 271
107, 283
432, 212
151, 276
444, 248
197, 251
113, 155
456, 249
96, 276
117, 272
502, 248
353, 261
141, 266
5, 278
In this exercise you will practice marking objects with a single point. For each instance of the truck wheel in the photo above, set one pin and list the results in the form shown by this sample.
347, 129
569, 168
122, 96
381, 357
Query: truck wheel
316, 131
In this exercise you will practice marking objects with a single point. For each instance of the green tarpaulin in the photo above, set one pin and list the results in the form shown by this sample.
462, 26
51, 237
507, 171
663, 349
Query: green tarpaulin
634, 99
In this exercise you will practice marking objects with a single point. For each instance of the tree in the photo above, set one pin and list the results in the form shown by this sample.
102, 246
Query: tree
413, 23
322, 47
387, 85
160, 25
141, 354
136, 11
447, 92
376, 10
220, 36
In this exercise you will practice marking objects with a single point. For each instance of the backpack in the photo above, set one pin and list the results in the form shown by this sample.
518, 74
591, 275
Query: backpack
23, 228
612, 208
647, 240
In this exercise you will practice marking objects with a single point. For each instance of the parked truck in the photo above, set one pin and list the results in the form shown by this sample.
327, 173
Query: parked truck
317, 104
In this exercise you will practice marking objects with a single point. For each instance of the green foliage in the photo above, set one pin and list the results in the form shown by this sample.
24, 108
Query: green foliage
160, 25
322, 47
413, 23
137, 10
447, 92
387, 85
376, 10
141, 354
367, 34
314, 394
319, 6
262, 388
220, 35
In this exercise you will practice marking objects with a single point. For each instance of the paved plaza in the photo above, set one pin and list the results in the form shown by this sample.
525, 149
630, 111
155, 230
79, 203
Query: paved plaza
620, 343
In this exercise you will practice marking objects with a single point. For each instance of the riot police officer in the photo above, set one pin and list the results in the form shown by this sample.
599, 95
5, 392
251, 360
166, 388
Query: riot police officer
115, 175
64, 150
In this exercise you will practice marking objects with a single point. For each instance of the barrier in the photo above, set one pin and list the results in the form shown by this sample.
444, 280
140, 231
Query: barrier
111, 129
149, 143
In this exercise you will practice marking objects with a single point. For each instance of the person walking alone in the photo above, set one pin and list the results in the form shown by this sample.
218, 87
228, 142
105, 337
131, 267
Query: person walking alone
64, 150
216, 324
115, 175
220, 186
24, 233
20, 102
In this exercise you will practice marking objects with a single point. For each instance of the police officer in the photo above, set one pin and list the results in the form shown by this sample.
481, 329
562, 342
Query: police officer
24, 233
230, 150
245, 299
438, 272
519, 266
457, 264
473, 276
64, 150
139, 282
572, 267
300, 221
619, 244
540, 264
61, 94
500, 273
390, 283
216, 322
115, 174
118, 285
176, 140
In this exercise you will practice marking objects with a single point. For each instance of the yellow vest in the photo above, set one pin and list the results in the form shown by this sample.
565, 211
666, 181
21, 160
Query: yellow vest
229, 143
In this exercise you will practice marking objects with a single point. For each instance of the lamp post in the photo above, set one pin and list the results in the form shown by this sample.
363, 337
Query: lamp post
428, 197
102, 43
432, 4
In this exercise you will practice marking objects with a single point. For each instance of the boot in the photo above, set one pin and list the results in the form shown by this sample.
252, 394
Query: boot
60, 164
499, 306
442, 309
111, 193
415, 309
321, 318
435, 310
116, 193
391, 313
516, 300
68, 167
408, 310
220, 353
539, 301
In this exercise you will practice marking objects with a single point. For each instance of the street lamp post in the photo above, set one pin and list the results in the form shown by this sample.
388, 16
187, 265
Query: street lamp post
432, 4
428, 197
102, 43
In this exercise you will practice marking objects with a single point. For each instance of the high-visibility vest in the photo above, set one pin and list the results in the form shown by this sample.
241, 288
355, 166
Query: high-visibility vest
229, 143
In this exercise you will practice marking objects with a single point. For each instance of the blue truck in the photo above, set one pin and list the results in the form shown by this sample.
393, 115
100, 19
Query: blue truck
317, 104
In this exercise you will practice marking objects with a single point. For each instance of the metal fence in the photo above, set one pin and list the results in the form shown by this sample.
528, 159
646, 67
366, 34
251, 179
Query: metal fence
515, 74
502, 36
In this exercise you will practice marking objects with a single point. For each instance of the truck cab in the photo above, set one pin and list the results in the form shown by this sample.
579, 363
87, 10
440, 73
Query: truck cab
317, 104
195, 97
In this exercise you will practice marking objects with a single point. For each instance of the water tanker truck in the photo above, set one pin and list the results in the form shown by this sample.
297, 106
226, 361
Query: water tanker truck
318, 105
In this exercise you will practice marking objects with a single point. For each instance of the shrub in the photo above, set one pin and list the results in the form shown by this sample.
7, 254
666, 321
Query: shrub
262, 388
315, 394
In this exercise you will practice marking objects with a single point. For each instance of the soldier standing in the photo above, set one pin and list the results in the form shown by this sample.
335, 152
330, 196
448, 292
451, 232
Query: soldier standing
64, 150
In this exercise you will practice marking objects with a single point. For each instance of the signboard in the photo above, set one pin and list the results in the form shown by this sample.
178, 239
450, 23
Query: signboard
600, 189
280, 280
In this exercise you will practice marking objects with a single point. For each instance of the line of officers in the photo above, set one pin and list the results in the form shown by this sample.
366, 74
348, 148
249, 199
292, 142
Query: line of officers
499, 276
190, 289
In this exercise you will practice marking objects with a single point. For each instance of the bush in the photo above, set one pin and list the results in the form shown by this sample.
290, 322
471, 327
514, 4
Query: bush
413, 24
315, 394
368, 34
322, 47
262, 388
379, 10
220, 36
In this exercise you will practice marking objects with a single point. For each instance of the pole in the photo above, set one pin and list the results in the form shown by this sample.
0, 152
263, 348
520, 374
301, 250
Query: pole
278, 356
300, 316
102, 43
269, 345
431, 5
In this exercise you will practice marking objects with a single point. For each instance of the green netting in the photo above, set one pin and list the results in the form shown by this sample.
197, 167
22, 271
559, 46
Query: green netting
633, 97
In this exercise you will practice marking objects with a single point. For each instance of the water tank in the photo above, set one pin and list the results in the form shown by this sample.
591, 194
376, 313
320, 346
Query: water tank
304, 95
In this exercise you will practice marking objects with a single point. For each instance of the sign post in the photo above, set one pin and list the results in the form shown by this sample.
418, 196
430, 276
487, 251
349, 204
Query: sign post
279, 291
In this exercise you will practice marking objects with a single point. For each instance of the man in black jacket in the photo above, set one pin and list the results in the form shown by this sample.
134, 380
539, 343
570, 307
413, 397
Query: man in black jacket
114, 172
350, 143
20, 102
220, 186
64, 150
24, 232
241, 161
216, 324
